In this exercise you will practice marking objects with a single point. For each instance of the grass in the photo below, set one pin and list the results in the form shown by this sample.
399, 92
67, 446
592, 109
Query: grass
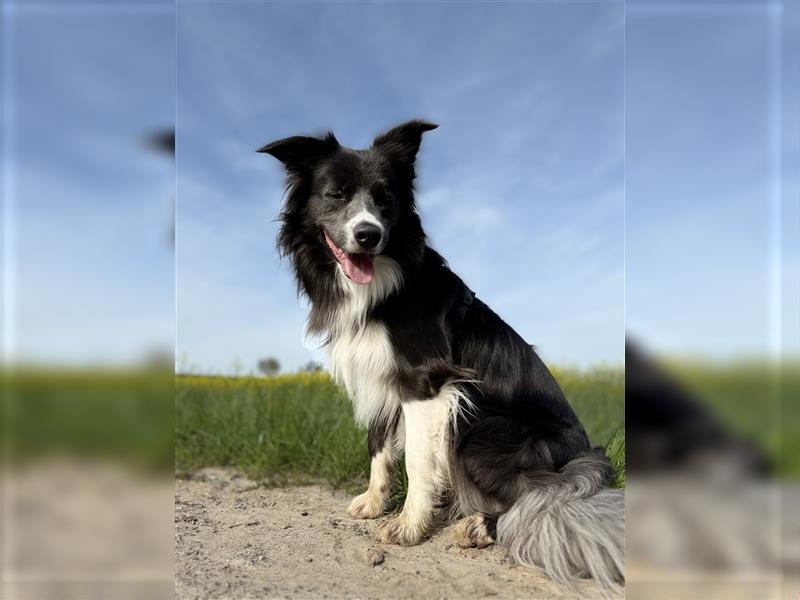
284, 429
123, 416
755, 400
299, 428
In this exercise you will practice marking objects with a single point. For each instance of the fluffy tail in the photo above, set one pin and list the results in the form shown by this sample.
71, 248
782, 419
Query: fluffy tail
570, 524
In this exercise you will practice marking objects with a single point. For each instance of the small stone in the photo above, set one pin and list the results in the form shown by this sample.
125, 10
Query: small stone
304, 513
375, 557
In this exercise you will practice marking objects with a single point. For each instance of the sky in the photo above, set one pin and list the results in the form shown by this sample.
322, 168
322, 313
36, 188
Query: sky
88, 273
711, 177
520, 188
594, 169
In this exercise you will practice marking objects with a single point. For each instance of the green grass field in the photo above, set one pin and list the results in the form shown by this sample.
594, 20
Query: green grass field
299, 428
120, 416
753, 399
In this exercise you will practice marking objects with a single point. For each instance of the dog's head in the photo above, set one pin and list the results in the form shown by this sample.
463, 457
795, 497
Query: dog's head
349, 201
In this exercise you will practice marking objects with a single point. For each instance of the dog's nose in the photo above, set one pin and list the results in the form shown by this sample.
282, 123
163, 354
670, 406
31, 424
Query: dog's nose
368, 235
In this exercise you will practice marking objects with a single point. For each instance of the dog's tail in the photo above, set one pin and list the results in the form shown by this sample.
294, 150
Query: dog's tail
570, 524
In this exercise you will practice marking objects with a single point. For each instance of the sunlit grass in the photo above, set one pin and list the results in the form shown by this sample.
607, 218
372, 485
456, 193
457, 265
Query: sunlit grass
299, 428
289, 428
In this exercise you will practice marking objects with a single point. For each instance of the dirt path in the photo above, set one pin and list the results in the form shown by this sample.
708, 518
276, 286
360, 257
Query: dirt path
235, 539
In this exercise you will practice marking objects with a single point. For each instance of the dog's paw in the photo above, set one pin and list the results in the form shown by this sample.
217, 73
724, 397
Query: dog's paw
473, 532
398, 530
366, 506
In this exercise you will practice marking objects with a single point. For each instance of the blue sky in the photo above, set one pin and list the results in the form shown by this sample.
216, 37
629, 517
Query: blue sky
521, 187
711, 174
88, 275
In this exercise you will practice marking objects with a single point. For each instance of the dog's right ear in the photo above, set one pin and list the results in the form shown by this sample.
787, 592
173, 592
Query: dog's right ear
299, 153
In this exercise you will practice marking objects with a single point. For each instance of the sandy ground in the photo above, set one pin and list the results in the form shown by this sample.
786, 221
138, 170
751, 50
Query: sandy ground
236, 539
85, 530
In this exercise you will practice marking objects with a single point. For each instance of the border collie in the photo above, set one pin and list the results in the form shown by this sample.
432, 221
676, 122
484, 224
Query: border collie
433, 372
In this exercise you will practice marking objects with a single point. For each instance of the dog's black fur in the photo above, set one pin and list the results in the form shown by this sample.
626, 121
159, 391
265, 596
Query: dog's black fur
521, 429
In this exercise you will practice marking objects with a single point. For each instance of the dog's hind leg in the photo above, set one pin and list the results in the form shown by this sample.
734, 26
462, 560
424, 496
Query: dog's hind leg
383, 453
476, 531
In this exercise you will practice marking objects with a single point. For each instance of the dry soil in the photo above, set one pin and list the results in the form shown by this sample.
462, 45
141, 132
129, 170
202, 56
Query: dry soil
237, 539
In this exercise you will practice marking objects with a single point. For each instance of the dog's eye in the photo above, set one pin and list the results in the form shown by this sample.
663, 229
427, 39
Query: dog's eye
380, 196
334, 195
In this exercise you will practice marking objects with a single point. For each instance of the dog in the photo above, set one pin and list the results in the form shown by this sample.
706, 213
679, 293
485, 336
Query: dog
433, 372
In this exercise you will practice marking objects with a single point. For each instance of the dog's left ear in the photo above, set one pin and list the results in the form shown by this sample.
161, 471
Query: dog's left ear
402, 142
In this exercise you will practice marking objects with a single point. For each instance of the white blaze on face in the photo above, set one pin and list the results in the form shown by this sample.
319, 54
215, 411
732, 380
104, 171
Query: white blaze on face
356, 261
364, 216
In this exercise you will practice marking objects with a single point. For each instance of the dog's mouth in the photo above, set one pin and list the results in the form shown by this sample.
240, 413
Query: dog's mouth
358, 267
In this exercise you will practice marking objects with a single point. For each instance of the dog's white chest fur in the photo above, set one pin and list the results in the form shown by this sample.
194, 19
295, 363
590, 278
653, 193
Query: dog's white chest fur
361, 355
362, 362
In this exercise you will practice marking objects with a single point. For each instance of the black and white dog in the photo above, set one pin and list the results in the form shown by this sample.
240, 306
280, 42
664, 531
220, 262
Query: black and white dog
432, 371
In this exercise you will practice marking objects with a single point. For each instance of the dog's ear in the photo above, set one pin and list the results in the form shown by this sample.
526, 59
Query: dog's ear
402, 142
298, 153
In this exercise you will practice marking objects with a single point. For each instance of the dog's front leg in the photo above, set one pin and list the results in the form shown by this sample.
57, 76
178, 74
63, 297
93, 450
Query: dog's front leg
383, 452
426, 423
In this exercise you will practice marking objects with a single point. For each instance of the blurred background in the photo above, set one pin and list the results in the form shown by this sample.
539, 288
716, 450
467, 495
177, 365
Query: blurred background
88, 101
712, 384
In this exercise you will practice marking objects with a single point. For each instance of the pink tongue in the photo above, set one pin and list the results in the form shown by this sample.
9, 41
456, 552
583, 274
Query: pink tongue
358, 267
